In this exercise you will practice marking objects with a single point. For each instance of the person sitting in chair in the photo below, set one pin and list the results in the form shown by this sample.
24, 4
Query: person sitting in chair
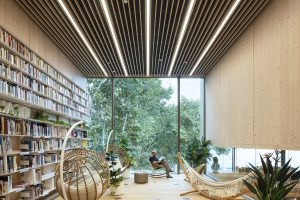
161, 163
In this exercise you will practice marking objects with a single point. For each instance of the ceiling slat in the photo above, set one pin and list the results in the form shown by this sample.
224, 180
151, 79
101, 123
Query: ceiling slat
129, 22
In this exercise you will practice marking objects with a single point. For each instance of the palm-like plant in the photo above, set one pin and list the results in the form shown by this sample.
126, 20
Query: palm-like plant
273, 182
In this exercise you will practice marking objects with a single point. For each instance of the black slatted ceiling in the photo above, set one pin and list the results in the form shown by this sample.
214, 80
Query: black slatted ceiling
129, 23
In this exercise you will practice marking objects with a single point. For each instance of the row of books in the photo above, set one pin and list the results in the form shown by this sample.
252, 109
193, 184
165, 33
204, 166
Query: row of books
11, 126
32, 145
34, 72
5, 145
43, 77
8, 164
32, 161
45, 90
42, 145
51, 158
10, 57
32, 192
17, 46
10, 74
15, 90
5, 185
29, 96
80, 100
42, 130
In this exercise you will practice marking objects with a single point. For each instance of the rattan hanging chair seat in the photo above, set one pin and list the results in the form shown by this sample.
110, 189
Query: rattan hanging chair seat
85, 173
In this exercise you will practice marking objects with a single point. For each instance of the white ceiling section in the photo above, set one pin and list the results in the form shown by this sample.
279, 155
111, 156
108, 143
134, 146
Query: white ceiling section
144, 38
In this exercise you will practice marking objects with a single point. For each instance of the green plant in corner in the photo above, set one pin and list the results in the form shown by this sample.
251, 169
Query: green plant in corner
273, 182
124, 144
198, 152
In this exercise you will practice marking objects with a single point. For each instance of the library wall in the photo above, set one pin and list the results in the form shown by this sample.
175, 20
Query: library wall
253, 93
17, 22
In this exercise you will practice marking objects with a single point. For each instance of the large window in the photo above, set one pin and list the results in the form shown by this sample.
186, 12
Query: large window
146, 118
191, 131
100, 126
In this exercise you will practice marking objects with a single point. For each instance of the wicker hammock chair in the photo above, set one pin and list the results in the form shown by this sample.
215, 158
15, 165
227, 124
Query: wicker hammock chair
82, 173
212, 189
123, 158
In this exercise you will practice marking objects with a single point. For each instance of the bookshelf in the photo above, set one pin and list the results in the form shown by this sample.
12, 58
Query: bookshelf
38, 104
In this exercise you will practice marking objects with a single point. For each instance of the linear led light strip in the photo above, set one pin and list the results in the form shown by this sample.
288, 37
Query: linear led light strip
62, 5
185, 23
215, 35
148, 18
112, 30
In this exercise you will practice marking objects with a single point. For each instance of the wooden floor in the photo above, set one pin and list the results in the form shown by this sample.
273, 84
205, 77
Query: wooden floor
155, 189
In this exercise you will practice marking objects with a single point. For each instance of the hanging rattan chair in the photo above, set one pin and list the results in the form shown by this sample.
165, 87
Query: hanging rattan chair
82, 174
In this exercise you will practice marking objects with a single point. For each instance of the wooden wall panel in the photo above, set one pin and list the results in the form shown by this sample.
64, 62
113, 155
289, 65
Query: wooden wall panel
232, 97
17, 22
271, 68
260, 83
212, 95
293, 76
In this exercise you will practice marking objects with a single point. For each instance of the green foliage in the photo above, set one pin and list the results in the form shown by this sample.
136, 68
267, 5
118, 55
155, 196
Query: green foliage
199, 152
221, 150
115, 173
273, 182
39, 116
124, 143
143, 117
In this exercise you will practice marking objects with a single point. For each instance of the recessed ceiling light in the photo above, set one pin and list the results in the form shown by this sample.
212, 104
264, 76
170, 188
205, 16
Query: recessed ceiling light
148, 48
236, 3
62, 5
183, 29
114, 36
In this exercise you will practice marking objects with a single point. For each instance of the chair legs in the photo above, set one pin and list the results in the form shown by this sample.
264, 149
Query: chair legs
182, 194
155, 174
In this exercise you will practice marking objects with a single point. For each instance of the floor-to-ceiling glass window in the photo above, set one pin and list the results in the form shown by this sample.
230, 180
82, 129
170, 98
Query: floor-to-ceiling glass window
101, 119
146, 118
191, 125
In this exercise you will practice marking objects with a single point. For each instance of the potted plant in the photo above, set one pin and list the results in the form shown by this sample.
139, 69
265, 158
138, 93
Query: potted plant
215, 166
273, 182
124, 145
199, 152
116, 180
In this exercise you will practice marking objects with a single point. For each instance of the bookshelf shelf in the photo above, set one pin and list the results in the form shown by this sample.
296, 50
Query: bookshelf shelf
30, 148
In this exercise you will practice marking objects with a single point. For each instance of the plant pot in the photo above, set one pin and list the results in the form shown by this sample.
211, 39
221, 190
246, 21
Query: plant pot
117, 191
126, 174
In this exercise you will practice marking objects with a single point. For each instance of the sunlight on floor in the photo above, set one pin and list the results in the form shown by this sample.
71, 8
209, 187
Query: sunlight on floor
155, 189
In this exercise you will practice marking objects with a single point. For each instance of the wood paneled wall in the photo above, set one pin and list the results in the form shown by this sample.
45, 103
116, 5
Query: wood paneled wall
17, 22
253, 93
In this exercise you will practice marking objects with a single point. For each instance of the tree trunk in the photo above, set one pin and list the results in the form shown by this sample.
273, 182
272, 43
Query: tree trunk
124, 123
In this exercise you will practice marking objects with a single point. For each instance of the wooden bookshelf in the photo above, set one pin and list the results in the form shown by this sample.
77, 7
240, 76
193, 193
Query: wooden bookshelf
30, 145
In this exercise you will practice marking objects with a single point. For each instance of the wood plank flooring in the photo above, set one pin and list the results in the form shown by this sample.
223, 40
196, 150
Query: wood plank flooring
155, 189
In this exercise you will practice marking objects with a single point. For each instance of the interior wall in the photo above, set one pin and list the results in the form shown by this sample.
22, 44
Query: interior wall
253, 93
18, 23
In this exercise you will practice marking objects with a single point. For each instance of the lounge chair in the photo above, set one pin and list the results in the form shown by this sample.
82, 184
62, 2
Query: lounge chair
212, 189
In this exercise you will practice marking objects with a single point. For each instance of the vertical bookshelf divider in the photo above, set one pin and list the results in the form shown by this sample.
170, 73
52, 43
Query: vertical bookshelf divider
37, 106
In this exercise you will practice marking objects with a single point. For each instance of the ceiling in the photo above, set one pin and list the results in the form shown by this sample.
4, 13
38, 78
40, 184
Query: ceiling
129, 23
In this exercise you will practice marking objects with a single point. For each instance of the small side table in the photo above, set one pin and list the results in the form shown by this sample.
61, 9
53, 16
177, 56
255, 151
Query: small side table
141, 177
